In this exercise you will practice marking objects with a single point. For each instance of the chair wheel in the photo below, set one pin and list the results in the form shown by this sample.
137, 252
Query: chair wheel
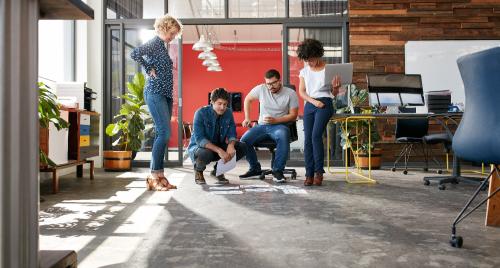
439, 171
262, 176
426, 169
456, 241
393, 169
427, 182
405, 172
441, 187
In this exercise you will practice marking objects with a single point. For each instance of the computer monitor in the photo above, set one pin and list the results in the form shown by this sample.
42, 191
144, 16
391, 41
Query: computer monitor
395, 90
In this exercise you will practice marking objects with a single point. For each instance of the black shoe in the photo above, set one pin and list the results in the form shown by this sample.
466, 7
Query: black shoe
279, 177
222, 179
251, 173
198, 177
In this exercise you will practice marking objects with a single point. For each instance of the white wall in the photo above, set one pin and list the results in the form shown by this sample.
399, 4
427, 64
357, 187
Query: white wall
436, 61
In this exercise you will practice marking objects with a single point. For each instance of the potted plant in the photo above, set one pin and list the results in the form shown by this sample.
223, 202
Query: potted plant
129, 127
356, 137
48, 112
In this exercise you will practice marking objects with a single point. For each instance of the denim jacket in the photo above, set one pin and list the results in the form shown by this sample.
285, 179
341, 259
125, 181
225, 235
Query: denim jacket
204, 128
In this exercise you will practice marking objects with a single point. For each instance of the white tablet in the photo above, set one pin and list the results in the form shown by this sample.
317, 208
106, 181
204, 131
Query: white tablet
344, 70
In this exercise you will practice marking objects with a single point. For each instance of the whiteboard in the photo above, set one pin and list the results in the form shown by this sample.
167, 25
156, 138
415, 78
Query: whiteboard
436, 61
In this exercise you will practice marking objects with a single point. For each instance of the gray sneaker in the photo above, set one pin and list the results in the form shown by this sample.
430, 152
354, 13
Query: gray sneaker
278, 177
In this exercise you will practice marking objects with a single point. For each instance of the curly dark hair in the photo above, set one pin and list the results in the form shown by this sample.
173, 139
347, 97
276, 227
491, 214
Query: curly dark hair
310, 48
219, 93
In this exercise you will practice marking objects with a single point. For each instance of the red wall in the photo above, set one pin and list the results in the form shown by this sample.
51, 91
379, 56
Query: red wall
241, 71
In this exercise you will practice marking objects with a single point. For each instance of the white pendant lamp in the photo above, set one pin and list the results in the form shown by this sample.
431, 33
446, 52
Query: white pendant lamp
210, 62
214, 68
202, 44
205, 55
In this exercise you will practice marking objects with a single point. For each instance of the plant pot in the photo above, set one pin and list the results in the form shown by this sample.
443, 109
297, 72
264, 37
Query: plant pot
117, 160
376, 159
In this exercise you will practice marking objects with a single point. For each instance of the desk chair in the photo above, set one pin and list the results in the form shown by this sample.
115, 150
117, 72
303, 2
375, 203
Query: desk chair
269, 144
476, 138
411, 132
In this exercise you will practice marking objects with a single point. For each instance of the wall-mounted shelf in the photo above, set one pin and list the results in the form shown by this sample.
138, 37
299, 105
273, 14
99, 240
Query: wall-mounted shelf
65, 10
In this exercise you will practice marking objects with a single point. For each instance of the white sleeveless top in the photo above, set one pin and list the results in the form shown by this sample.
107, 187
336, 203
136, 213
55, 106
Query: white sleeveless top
315, 83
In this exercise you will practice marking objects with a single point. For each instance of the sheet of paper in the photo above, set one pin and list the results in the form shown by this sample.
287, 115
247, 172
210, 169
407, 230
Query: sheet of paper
225, 167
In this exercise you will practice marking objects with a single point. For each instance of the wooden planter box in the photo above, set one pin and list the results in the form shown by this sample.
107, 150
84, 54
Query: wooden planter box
117, 160
376, 159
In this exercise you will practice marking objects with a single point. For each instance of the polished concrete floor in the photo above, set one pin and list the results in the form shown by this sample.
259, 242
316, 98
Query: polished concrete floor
397, 222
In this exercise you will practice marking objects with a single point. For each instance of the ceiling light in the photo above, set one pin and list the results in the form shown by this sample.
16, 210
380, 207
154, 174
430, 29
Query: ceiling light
207, 55
202, 44
214, 68
210, 62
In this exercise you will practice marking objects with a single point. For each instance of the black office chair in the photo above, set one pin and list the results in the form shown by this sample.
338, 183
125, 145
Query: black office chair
411, 132
269, 144
476, 138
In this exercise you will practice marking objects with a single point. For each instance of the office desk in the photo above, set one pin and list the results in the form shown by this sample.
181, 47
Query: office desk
344, 119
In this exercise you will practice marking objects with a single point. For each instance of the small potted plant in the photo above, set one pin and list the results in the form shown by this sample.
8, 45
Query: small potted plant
128, 127
48, 112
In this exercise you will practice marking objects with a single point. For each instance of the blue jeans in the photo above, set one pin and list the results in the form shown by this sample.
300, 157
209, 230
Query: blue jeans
279, 133
160, 108
315, 121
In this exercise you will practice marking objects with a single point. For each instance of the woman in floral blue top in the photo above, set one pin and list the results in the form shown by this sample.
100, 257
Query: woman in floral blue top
154, 57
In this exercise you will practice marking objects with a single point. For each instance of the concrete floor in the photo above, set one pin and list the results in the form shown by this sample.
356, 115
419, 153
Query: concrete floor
398, 222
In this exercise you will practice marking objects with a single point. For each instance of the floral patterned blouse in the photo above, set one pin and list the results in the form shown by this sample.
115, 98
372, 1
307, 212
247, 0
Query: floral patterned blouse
154, 55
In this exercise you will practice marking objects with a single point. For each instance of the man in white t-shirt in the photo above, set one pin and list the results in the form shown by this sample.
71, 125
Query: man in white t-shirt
278, 106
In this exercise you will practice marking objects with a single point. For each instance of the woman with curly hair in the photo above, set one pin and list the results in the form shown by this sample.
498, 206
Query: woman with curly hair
154, 58
318, 109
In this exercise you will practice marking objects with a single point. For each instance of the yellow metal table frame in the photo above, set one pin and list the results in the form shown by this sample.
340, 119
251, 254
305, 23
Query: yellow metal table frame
361, 177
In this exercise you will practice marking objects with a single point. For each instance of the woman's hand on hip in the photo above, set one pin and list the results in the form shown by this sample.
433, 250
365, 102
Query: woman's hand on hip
152, 73
318, 104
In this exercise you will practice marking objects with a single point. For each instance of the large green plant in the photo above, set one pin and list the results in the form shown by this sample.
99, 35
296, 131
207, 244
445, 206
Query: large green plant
48, 112
129, 123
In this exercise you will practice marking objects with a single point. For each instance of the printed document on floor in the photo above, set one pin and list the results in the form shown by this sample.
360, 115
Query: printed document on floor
225, 167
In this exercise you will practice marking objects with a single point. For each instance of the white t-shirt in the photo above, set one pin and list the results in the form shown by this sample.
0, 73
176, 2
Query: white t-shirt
274, 105
315, 83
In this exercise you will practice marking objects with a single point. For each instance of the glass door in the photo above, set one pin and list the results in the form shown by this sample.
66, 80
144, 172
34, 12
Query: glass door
120, 69
334, 42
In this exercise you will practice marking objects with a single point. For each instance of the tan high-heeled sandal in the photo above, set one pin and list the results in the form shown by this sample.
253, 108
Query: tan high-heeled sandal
164, 181
153, 185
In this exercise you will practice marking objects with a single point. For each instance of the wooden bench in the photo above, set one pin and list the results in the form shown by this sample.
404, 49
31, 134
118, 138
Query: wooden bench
71, 163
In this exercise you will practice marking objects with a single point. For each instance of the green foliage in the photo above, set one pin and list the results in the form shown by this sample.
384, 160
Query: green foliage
48, 112
359, 98
357, 131
129, 123
48, 109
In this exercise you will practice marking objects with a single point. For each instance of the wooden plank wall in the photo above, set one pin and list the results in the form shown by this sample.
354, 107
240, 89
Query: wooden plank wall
379, 29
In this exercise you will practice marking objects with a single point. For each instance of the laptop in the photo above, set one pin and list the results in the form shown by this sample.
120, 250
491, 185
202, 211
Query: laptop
344, 70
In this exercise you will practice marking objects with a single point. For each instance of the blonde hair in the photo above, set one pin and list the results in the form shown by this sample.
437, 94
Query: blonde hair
165, 23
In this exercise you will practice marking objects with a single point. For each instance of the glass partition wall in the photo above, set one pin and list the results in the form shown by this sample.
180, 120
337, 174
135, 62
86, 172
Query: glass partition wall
128, 23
